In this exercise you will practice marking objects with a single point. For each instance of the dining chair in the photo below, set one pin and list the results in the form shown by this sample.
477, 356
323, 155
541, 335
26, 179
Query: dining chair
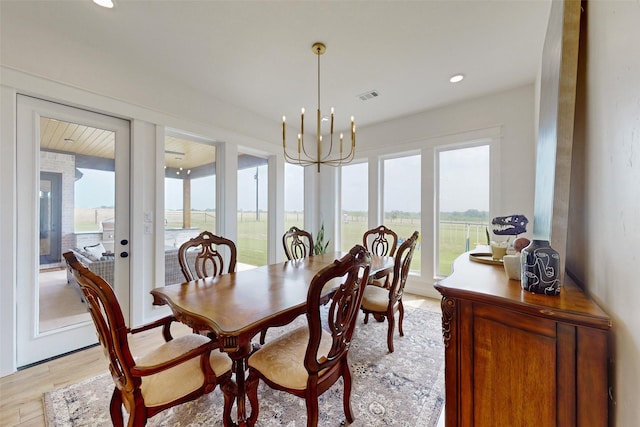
201, 257
297, 243
177, 371
307, 361
381, 241
384, 303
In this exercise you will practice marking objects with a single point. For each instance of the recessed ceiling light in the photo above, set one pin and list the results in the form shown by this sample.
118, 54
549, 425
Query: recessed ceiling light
104, 3
456, 78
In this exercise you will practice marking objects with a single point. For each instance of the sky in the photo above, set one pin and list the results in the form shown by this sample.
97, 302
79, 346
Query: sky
464, 184
463, 180
96, 188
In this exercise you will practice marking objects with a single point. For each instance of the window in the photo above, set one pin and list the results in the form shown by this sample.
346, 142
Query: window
355, 200
463, 202
402, 178
189, 189
189, 195
252, 210
293, 196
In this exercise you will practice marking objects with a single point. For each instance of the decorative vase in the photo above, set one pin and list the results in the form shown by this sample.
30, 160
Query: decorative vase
540, 268
512, 266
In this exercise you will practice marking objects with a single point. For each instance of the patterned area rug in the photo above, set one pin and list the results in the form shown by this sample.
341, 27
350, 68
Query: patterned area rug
404, 388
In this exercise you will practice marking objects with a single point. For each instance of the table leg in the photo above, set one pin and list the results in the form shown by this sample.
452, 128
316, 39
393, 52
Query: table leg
239, 359
240, 381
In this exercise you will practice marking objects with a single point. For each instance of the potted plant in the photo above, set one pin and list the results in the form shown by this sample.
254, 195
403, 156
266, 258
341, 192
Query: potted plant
320, 247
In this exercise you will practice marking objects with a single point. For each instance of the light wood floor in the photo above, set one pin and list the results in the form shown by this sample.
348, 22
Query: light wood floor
21, 392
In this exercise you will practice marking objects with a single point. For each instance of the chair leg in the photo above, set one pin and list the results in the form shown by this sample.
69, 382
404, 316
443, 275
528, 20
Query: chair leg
311, 399
115, 408
366, 318
392, 325
137, 416
252, 394
400, 317
346, 397
263, 335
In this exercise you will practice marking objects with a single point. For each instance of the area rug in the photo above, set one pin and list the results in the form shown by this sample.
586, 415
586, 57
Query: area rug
404, 388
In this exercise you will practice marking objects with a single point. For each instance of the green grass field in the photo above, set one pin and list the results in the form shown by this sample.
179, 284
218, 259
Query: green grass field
252, 234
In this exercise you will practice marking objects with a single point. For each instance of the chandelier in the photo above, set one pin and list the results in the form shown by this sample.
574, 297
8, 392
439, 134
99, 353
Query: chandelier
332, 157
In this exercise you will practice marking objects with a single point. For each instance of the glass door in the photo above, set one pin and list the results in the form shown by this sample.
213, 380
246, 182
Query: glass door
73, 180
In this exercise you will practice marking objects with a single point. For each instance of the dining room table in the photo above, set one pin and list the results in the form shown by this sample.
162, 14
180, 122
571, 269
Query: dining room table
237, 306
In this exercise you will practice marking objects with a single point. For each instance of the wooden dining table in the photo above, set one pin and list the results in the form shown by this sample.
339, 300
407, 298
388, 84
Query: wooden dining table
238, 306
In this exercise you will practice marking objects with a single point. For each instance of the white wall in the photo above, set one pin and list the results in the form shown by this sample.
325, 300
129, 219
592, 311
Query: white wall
59, 57
604, 217
8, 225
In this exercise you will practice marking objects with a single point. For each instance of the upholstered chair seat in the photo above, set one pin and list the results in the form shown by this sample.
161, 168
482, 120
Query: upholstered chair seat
375, 298
282, 360
171, 384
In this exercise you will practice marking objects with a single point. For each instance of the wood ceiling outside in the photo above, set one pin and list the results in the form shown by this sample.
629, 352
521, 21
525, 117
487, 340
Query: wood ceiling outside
61, 136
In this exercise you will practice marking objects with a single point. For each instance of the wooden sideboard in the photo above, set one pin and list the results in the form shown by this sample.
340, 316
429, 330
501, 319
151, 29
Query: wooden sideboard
513, 358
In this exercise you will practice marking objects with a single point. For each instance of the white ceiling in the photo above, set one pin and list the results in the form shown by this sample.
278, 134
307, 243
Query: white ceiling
257, 54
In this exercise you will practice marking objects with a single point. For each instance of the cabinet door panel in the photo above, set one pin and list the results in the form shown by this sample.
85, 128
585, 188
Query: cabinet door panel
592, 378
514, 372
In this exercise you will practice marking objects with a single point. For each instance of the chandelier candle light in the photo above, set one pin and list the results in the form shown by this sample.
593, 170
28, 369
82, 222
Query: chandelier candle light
303, 158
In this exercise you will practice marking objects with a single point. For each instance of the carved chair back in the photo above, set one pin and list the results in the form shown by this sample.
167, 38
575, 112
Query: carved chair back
353, 272
297, 243
381, 241
401, 268
212, 253
108, 319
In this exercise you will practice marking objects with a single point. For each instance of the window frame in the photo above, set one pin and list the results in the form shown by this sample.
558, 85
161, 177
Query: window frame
381, 192
427, 148
436, 190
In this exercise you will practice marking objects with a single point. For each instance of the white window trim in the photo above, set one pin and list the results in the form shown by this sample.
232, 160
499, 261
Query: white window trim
422, 284
494, 193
